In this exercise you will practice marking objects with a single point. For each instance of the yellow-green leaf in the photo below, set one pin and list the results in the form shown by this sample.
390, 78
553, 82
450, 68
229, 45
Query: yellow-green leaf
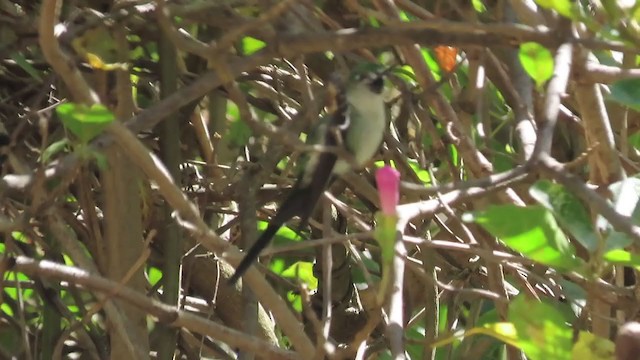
537, 61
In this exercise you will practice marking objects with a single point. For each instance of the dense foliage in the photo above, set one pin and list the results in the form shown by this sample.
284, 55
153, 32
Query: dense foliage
145, 142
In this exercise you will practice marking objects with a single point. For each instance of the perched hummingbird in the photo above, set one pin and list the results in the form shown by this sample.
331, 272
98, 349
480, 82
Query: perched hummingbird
356, 123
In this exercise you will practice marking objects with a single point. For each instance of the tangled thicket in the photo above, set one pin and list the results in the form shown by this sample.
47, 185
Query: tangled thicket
514, 125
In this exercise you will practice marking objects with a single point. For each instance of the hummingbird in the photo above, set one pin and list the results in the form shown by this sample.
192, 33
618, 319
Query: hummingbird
356, 122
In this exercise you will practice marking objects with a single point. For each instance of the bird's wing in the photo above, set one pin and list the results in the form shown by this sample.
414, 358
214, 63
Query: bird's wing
309, 187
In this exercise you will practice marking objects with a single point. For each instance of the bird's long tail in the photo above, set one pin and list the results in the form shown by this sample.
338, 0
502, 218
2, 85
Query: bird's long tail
299, 203
310, 186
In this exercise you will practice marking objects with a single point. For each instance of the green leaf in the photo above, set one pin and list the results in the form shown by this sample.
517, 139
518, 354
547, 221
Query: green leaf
154, 274
239, 133
542, 329
562, 7
432, 62
295, 300
531, 231
371, 263
478, 6
53, 149
83, 121
373, 22
626, 92
537, 61
538, 328
6, 309
302, 270
634, 140
415, 346
101, 160
20, 236
250, 45
26, 65
622, 257
284, 235
617, 240
568, 210
626, 198
593, 347
67, 260
13, 291
277, 264
503, 331
626, 201
503, 155
422, 174
406, 73
573, 291
453, 151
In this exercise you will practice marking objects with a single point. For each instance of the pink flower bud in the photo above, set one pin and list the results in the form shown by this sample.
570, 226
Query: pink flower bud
388, 180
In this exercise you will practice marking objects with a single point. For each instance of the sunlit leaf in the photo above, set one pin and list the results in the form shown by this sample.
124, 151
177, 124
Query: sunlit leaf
20, 236
406, 73
422, 174
626, 92
284, 235
295, 300
478, 6
303, 271
277, 265
503, 331
568, 210
67, 260
592, 347
537, 61
154, 274
531, 231
626, 201
563, 7
432, 63
251, 45
85, 122
13, 291
622, 257
542, 329
96, 62
6, 309
453, 152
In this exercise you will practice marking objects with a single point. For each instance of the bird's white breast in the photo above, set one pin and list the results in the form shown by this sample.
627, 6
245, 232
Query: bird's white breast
368, 119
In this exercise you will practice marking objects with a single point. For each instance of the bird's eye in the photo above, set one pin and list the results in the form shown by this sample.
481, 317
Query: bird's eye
376, 83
